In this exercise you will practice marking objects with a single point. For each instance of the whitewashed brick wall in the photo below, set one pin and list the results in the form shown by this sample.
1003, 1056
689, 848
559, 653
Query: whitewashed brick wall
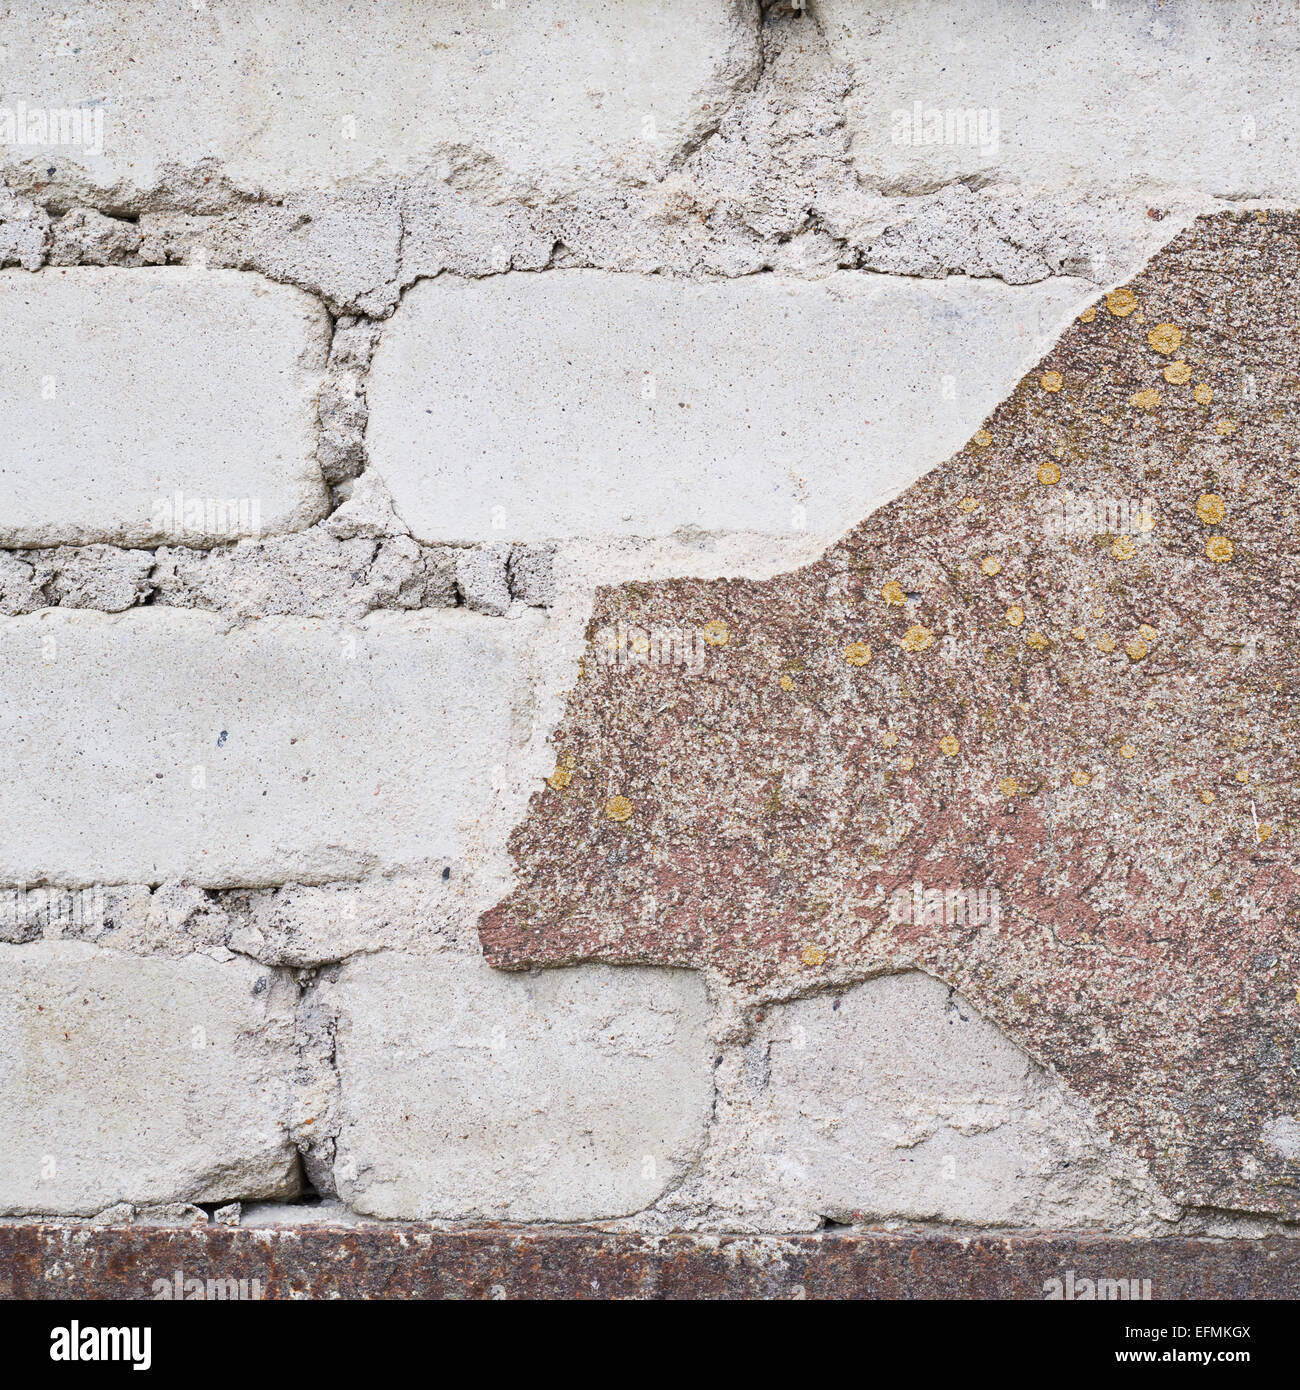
348, 348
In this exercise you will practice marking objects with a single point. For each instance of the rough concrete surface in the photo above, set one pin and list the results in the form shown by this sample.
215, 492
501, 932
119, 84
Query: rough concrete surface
894, 1099
282, 751
467, 1093
141, 1082
530, 407
431, 421
116, 426
1118, 97
507, 97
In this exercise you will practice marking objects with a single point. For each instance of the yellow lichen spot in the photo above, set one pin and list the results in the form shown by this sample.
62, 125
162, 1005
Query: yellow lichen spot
1038, 641
1146, 522
907, 763
1243, 776
716, 633
1202, 394
1051, 381
1106, 644
1265, 833
1079, 633
1147, 633
893, 593
640, 644
1225, 427
1178, 373
889, 738
813, 955
949, 745
1123, 547
1165, 338
1219, 549
1049, 473
917, 638
1015, 615
1008, 786
1136, 650
991, 565
1211, 508
1208, 798
968, 504
1121, 302
1080, 778
1088, 314
786, 683
1127, 750
983, 438
560, 778
1145, 400
857, 653
618, 808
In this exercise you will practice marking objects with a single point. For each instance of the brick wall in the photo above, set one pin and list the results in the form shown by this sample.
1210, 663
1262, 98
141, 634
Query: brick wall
350, 351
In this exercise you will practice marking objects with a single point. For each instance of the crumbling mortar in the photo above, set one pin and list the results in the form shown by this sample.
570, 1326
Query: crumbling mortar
331, 570
740, 166
831, 249
764, 10
316, 1082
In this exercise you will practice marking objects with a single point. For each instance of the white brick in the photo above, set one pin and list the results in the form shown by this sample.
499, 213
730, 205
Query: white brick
1105, 99
566, 1095
142, 1081
326, 751
123, 387
313, 91
531, 394
894, 1098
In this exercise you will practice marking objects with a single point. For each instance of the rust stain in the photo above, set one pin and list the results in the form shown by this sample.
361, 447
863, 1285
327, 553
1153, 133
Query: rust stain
1147, 944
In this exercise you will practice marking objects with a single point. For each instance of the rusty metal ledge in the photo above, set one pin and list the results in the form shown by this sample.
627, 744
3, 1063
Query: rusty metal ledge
414, 1261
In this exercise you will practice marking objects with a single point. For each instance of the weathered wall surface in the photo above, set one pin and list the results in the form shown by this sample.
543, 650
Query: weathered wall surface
353, 350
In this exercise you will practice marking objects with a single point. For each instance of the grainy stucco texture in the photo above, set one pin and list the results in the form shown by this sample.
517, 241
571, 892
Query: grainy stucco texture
669, 617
